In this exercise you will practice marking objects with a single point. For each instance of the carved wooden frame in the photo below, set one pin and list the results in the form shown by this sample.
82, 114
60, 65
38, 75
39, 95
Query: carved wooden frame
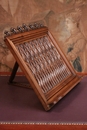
55, 93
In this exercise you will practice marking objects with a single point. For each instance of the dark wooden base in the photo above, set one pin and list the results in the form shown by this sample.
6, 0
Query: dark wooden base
42, 127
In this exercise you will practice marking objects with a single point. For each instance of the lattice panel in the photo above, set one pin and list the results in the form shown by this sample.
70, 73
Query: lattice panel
45, 62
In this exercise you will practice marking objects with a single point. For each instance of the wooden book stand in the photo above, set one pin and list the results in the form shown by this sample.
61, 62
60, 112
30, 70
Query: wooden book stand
42, 61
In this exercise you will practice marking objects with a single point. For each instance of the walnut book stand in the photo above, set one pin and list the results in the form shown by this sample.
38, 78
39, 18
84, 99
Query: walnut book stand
42, 61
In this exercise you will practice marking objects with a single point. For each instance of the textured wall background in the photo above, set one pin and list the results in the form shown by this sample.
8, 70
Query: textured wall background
66, 19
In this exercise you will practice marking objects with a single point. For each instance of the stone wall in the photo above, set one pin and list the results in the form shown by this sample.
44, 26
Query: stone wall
66, 19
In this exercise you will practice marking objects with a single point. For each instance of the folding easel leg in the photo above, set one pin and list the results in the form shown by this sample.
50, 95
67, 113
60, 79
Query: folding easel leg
15, 68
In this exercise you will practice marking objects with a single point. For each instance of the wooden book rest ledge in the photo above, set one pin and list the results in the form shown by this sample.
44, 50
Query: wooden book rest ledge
42, 61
